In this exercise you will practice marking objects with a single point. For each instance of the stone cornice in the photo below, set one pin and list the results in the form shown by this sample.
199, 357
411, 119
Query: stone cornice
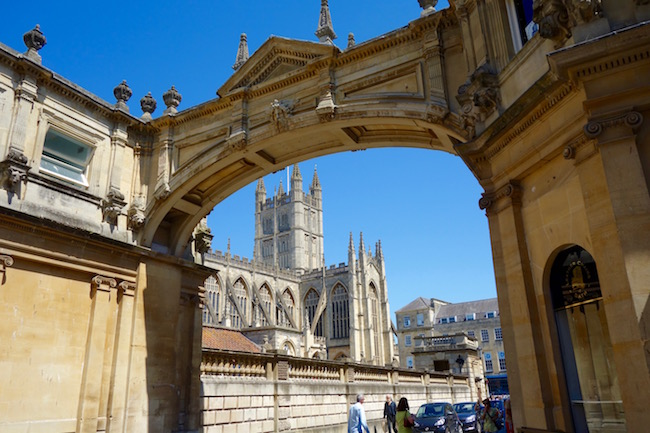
59, 85
614, 50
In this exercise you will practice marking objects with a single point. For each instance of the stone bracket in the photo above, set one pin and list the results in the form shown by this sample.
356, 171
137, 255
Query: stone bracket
13, 171
112, 206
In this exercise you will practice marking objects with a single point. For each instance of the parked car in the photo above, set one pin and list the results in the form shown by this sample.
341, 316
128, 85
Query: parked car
437, 418
468, 416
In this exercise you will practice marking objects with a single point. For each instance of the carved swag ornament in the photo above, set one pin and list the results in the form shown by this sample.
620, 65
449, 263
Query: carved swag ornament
478, 97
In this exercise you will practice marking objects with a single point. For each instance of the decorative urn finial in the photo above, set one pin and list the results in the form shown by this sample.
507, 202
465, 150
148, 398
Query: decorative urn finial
34, 40
351, 41
172, 99
122, 93
148, 105
428, 6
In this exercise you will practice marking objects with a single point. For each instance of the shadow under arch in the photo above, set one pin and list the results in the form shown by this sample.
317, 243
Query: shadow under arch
581, 342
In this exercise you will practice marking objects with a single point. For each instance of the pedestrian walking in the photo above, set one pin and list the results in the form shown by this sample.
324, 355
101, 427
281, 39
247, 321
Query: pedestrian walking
390, 410
357, 417
403, 417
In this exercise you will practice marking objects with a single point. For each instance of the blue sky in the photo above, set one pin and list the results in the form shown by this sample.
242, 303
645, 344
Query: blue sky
421, 204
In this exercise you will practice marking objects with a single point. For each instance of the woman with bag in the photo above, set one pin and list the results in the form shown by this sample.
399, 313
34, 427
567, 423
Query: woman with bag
403, 417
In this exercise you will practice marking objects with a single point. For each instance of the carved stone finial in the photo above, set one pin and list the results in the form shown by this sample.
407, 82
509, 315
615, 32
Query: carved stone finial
325, 31
172, 100
34, 40
428, 6
242, 52
122, 93
351, 41
148, 105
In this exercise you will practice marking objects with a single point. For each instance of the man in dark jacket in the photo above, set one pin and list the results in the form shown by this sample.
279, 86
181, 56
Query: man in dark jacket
389, 413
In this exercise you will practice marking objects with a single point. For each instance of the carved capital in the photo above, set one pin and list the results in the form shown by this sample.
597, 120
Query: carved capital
631, 120
5, 262
102, 283
511, 190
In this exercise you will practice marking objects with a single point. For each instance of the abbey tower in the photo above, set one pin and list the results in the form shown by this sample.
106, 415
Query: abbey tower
289, 226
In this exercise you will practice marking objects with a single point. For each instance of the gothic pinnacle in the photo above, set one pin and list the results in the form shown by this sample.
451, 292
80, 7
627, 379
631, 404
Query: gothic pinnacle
315, 183
351, 244
296, 172
242, 52
325, 31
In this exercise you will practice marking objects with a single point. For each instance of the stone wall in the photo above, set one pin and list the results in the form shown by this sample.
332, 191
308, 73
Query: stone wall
271, 393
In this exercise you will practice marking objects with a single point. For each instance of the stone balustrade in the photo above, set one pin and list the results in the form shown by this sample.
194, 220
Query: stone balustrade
271, 392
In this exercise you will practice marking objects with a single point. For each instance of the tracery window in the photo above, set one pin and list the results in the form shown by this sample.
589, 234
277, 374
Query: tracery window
311, 303
374, 312
241, 297
212, 300
289, 303
340, 312
265, 302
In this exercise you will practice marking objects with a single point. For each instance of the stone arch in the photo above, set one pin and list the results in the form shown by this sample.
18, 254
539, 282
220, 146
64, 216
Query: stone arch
288, 346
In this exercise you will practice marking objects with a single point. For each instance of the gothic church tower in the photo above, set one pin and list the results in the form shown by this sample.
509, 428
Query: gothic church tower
289, 225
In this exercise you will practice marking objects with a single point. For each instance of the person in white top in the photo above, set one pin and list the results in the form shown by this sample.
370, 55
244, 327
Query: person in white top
357, 417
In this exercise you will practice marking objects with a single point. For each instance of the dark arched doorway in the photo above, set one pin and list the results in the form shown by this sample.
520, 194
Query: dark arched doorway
583, 332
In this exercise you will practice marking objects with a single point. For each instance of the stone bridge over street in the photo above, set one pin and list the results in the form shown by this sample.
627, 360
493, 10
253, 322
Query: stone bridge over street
101, 282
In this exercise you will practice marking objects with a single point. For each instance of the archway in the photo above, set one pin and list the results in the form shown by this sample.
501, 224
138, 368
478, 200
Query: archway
585, 344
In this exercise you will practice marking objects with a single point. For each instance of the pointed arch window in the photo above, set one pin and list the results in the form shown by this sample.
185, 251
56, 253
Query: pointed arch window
340, 312
212, 300
311, 303
265, 302
290, 304
374, 314
241, 297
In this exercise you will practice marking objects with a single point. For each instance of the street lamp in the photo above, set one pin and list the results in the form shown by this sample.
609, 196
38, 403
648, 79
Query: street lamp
460, 361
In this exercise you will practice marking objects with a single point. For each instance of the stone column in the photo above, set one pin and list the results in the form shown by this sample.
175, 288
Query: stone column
93, 401
617, 204
520, 319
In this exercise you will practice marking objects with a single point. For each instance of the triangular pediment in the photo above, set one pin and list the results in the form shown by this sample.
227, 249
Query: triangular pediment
275, 58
